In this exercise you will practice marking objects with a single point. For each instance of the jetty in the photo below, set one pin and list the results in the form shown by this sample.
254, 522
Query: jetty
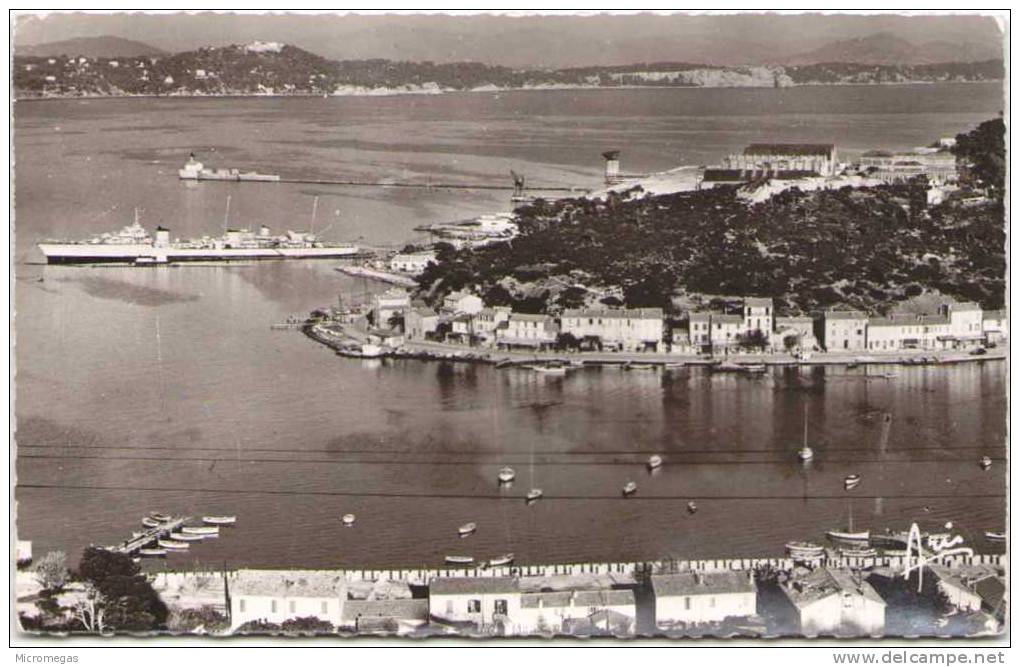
149, 536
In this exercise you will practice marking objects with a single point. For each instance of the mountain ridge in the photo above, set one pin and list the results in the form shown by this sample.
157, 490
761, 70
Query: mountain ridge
104, 46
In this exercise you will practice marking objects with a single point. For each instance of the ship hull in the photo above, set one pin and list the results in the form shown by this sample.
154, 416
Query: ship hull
71, 253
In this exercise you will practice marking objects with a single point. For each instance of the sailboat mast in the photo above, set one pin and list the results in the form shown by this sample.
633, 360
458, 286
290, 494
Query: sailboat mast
805, 426
315, 208
226, 216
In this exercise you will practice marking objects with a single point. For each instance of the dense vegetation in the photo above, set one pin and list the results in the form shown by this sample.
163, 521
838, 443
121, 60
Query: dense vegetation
983, 152
290, 70
862, 248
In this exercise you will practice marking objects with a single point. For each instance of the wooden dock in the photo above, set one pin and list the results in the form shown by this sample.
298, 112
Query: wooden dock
150, 536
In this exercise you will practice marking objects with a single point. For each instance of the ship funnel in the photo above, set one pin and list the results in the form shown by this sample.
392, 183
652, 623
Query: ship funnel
612, 166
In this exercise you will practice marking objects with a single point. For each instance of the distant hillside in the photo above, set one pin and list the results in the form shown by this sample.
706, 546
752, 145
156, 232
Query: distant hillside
888, 49
106, 46
281, 69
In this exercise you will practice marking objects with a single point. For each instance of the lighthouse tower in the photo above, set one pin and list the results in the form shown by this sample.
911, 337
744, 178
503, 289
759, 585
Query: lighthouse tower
612, 166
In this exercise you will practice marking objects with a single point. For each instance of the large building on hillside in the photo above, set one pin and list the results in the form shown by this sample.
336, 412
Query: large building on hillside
820, 159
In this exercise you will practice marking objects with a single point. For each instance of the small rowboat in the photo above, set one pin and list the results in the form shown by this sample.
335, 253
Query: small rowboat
152, 553
805, 454
173, 545
467, 529
162, 518
533, 495
986, 463
506, 475
220, 520
629, 489
208, 531
348, 519
550, 369
149, 522
995, 537
505, 559
754, 368
692, 507
851, 482
186, 537
460, 560
638, 367
654, 461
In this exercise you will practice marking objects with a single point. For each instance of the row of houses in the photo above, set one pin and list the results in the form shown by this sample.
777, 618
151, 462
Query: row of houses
745, 324
811, 601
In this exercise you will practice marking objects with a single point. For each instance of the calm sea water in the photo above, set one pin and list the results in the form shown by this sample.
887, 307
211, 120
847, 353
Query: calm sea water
164, 389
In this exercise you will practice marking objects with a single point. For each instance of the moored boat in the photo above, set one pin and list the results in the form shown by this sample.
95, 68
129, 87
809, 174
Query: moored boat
549, 369
460, 560
805, 454
149, 522
804, 550
348, 519
506, 475
630, 366
849, 537
692, 507
467, 529
654, 461
162, 518
629, 488
726, 367
995, 537
219, 520
173, 545
505, 559
533, 495
865, 552
152, 553
186, 537
851, 481
753, 369
986, 462
207, 531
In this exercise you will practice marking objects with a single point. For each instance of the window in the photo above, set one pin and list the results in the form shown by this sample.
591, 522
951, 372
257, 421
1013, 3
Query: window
325, 607
474, 606
272, 606
292, 606
241, 605
687, 603
500, 607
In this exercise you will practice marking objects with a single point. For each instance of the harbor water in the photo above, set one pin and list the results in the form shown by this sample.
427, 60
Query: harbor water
165, 389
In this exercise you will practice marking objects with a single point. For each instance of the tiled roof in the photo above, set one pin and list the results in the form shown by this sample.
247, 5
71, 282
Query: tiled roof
468, 585
789, 149
699, 317
702, 583
991, 589
757, 301
933, 319
414, 609
726, 318
845, 315
287, 583
993, 315
528, 317
969, 307
617, 313
823, 582
793, 320
726, 175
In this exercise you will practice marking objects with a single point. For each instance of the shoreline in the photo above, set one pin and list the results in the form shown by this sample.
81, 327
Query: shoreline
430, 351
396, 92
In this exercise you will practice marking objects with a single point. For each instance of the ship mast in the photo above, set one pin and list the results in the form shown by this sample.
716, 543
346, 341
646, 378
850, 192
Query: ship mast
226, 216
315, 208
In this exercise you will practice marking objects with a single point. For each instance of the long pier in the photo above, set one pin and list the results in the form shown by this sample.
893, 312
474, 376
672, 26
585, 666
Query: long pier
150, 535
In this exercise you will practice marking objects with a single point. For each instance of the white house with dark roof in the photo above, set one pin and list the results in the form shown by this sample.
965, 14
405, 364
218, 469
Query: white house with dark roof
692, 598
830, 601
275, 596
572, 612
844, 330
527, 330
483, 602
626, 329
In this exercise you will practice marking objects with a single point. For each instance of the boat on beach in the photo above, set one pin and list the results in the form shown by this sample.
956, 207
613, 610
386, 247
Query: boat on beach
804, 550
726, 367
629, 489
460, 560
219, 520
654, 461
467, 529
506, 475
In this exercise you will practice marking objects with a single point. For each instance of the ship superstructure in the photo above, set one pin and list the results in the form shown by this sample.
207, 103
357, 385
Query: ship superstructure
193, 170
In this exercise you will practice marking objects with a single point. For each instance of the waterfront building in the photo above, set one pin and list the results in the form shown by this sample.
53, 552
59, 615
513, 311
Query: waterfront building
844, 330
965, 322
758, 314
938, 165
995, 325
699, 327
461, 302
935, 333
275, 596
385, 305
400, 617
619, 329
412, 262
482, 602
895, 332
695, 597
831, 601
577, 612
821, 159
419, 321
794, 334
526, 330
488, 321
725, 331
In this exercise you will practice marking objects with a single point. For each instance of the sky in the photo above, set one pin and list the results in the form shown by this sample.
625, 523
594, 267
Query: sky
522, 41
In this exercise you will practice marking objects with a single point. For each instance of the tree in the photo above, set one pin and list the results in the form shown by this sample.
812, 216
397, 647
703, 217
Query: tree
753, 340
308, 625
51, 571
124, 596
572, 297
396, 321
983, 150
791, 341
90, 610
567, 341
